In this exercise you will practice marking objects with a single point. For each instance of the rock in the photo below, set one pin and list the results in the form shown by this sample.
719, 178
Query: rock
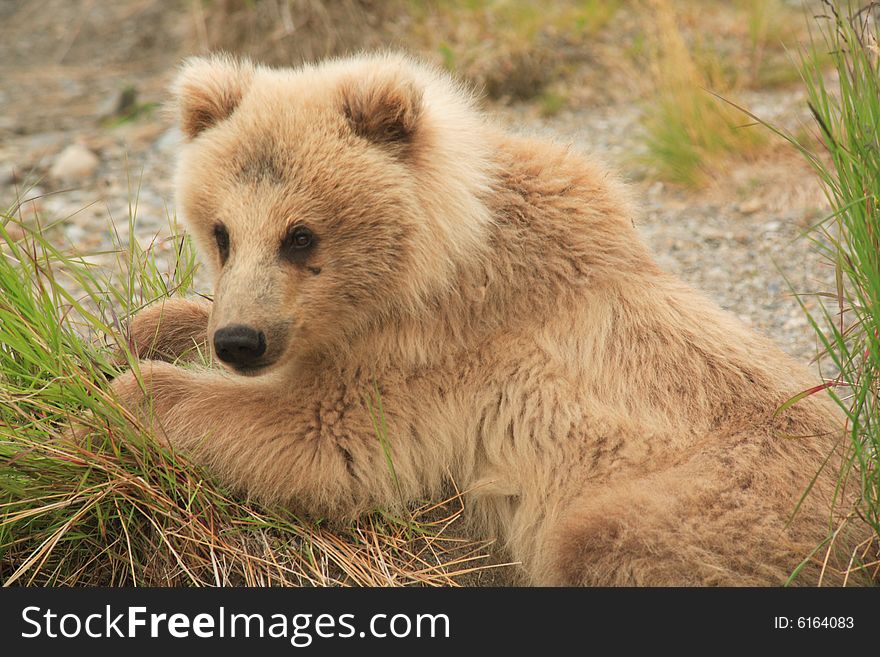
34, 191
71, 86
74, 233
74, 164
169, 141
15, 231
751, 206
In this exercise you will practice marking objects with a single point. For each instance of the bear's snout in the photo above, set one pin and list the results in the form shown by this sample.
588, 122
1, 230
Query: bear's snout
239, 345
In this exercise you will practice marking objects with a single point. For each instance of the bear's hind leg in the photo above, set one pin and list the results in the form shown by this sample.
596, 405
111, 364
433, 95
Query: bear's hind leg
688, 526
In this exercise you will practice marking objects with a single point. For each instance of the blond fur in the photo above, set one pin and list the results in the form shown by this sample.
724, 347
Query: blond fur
610, 425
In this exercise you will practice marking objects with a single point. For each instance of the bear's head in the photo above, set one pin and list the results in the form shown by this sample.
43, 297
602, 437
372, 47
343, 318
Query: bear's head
326, 200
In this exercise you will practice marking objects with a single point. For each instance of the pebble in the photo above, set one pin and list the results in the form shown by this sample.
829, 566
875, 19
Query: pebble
75, 163
15, 231
74, 233
169, 141
751, 206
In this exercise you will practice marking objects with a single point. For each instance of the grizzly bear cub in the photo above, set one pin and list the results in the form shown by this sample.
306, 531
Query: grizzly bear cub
371, 234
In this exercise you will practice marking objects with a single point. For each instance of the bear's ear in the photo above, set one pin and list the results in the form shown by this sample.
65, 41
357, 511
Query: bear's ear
384, 110
208, 90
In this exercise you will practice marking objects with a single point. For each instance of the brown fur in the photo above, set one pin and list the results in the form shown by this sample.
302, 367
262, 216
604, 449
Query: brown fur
610, 425
185, 331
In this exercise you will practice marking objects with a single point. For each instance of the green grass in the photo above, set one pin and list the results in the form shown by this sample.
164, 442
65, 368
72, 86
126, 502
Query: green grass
847, 116
88, 497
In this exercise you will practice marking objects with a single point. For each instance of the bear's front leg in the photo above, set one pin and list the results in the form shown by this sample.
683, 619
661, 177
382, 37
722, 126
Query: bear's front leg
170, 329
307, 444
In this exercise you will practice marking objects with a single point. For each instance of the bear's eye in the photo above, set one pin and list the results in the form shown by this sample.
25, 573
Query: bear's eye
301, 238
221, 236
298, 243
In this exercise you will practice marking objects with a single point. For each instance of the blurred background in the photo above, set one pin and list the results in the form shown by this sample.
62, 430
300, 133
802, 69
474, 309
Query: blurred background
85, 139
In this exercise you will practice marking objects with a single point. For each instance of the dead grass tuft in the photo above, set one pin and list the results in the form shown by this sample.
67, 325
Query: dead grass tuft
689, 128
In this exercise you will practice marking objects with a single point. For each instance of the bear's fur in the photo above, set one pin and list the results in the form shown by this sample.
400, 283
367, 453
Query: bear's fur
608, 424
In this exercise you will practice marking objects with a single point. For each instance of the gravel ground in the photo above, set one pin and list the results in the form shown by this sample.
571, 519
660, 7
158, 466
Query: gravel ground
737, 241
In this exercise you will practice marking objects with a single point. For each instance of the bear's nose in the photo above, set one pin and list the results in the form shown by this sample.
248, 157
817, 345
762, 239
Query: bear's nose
239, 345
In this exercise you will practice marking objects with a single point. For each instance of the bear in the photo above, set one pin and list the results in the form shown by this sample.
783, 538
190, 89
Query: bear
376, 241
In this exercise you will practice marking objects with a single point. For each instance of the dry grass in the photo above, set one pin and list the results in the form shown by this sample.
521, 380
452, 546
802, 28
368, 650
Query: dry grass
287, 32
689, 128
512, 49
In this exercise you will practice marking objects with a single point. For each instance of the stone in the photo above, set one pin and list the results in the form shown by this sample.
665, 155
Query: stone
169, 141
15, 230
751, 206
74, 164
